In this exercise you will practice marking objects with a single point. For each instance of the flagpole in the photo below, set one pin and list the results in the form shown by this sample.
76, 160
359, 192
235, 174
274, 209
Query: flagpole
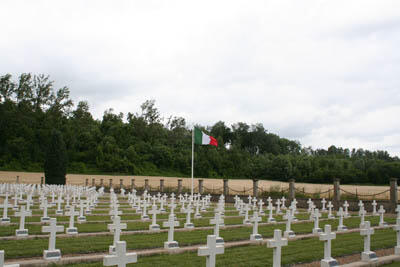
192, 158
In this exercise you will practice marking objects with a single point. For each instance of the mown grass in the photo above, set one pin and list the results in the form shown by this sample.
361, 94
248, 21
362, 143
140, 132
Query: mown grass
299, 251
76, 245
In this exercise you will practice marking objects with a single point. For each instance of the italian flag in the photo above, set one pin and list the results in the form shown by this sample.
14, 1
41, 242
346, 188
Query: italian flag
201, 138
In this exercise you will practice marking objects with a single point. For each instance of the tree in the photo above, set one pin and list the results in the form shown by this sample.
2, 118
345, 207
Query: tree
55, 166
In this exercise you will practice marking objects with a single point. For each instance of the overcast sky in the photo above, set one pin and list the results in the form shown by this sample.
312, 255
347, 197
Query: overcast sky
321, 72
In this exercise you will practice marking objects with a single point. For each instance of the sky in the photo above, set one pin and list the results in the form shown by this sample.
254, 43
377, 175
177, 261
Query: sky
320, 72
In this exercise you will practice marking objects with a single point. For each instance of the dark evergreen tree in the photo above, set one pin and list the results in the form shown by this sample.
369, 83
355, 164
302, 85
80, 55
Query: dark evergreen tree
55, 166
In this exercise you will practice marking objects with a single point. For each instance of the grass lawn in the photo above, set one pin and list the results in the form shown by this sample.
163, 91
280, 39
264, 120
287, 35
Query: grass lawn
300, 251
76, 245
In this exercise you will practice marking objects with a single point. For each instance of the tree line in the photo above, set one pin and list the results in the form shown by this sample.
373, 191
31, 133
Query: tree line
32, 111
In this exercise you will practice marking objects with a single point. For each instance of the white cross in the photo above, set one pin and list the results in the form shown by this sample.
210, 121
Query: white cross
327, 236
381, 212
52, 229
71, 213
246, 216
323, 201
211, 250
255, 219
367, 231
330, 206
217, 221
316, 216
288, 222
374, 207
121, 258
171, 223
117, 226
260, 204
59, 201
283, 202
22, 213
188, 211
5, 207
270, 208
341, 213
362, 213
346, 208
154, 212
277, 243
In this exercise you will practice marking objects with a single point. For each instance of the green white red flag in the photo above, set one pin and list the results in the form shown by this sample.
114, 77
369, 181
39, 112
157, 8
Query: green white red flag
200, 138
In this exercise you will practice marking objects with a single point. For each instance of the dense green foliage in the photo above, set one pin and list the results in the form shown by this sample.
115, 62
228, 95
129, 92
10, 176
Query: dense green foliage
145, 144
55, 164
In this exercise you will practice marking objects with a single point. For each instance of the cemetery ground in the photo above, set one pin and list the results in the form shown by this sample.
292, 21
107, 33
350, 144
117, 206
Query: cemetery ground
92, 242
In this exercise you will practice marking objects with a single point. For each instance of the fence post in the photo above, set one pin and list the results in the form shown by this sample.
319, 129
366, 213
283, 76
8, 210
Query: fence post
255, 188
292, 193
101, 182
121, 183
179, 186
132, 183
17, 179
110, 183
162, 185
41, 180
93, 182
336, 193
393, 194
200, 186
226, 188
86, 182
146, 184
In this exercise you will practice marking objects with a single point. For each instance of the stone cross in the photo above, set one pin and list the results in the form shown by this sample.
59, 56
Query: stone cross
45, 217
327, 237
260, 204
397, 229
121, 258
330, 206
197, 212
283, 199
316, 217
254, 203
288, 232
116, 227
246, 216
374, 208
278, 206
144, 216
309, 202
367, 254
5, 207
255, 220
211, 250
277, 243
362, 213
2, 261
72, 213
270, 208
360, 204
22, 213
341, 227
188, 210
323, 201
59, 211
171, 223
381, 212
53, 229
346, 209
81, 217
217, 221
154, 226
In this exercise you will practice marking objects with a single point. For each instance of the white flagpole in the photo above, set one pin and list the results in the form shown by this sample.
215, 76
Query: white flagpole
192, 158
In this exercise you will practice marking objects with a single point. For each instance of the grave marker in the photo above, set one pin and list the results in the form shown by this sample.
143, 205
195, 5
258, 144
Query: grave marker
52, 253
211, 250
327, 236
277, 243
22, 213
2, 261
154, 226
121, 258
171, 223
367, 254
71, 230
255, 236
116, 227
